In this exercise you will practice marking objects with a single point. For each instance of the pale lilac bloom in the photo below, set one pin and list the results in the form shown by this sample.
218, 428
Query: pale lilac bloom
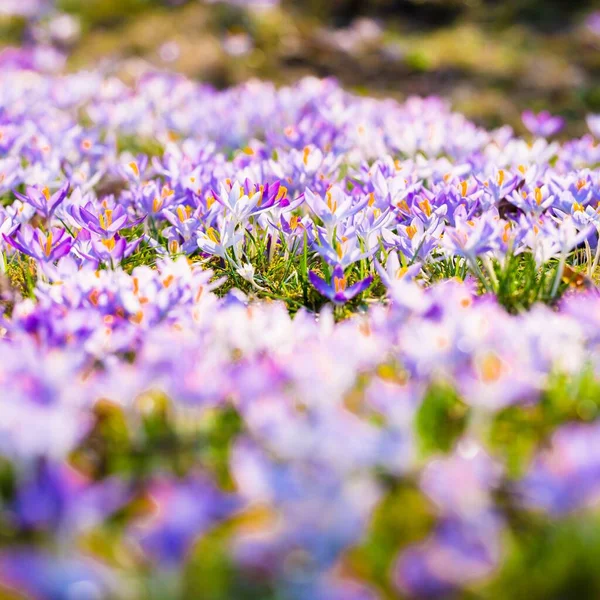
565, 476
593, 123
42, 200
542, 124
45, 247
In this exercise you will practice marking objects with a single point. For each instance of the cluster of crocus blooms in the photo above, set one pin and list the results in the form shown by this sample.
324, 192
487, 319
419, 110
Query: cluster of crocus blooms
153, 414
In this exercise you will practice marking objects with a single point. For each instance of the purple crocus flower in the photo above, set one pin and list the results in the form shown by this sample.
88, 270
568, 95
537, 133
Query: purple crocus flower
133, 171
56, 497
542, 124
42, 200
104, 222
274, 193
45, 247
337, 291
394, 271
113, 249
342, 252
184, 511
566, 476
152, 199
457, 553
40, 576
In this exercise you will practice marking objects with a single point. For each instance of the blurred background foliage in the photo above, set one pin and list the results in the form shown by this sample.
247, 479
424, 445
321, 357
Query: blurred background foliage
491, 58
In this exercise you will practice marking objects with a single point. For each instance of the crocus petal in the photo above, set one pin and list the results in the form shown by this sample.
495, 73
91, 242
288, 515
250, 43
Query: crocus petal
359, 287
17, 245
319, 284
61, 249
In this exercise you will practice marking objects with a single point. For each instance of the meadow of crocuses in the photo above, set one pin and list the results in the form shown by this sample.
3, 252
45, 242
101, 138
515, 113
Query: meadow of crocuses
292, 343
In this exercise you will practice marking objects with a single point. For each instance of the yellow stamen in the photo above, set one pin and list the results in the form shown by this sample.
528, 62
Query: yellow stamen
411, 230
538, 195
464, 186
339, 284
371, 199
306, 154
213, 235
156, 204
425, 207
133, 166
93, 297
48, 247
491, 368
402, 205
46, 193
330, 203
137, 318
500, 178
109, 244
281, 193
